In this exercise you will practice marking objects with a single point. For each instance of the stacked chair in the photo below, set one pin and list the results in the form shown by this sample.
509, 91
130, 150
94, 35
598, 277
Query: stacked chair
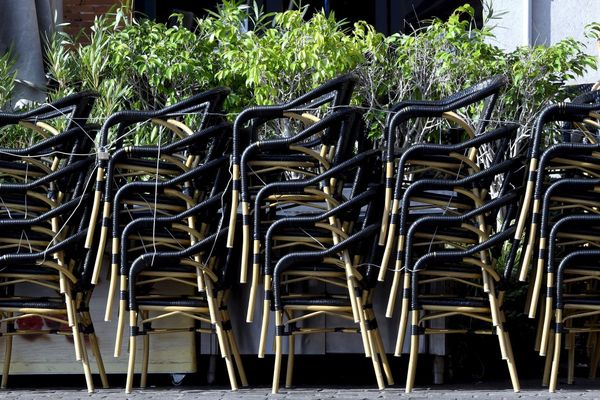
449, 175
456, 276
295, 200
287, 181
45, 193
167, 196
563, 227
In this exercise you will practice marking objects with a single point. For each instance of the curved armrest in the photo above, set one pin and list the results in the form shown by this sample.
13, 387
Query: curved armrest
62, 209
148, 260
214, 98
352, 204
45, 144
481, 178
412, 109
454, 256
580, 219
456, 220
312, 256
504, 132
576, 256
36, 257
557, 112
298, 186
80, 104
192, 173
72, 168
161, 222
561, 149
337, 91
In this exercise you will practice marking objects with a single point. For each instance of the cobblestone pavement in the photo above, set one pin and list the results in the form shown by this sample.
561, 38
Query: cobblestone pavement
583, 390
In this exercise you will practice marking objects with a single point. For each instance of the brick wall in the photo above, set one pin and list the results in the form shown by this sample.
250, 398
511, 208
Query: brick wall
80, 13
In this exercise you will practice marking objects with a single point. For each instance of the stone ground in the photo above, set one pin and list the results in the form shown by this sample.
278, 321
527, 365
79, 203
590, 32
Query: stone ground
584, 389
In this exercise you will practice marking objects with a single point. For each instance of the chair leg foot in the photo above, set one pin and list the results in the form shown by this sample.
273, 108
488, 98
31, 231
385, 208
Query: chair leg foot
86, 368
7, 357
145, 360
555, 362
289, 370
131, 364
414, 353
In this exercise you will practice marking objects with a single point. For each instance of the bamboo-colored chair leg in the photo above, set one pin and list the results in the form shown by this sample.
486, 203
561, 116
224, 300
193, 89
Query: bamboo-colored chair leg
403, 319
252, 295
93, 339
548, 361
145, 361
120, 327
387, 370
389, 311
556, 356
571, 359
414, 353
112, 288
262, 344
278, 355
376, 361
226, 354
289, 371
86, 368
510, 362
359, 315
132, 350
539, 344
546, 334
7, 356
77, 342
234, 349
98, 357
537, 287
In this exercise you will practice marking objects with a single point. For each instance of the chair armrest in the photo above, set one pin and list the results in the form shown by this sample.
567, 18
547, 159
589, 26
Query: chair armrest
289, 260
72, 168
128, 117
80, 103
358, 201
487, 88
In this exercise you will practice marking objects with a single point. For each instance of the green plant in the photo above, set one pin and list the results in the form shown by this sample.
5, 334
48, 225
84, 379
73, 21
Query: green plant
592, 30
7, 78
272, 57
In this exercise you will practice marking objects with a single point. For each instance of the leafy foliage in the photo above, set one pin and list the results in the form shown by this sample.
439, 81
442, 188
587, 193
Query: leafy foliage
272, 57
7, 78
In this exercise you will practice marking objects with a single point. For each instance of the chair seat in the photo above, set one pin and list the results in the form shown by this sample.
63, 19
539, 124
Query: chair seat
33, 302
195, 302
323, 301
453, 301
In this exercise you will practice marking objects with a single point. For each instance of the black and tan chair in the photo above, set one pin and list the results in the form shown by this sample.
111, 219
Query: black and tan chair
562, 184
335, 280
158, 166
457, 279
576, 302
266, 124
397, 134
124, 131
451, 154
336, 134
182, 194
204, 300
355, 174
549, 160
45, 269
419, 200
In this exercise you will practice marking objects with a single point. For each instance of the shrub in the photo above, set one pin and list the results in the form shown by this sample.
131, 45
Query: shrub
270, 58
